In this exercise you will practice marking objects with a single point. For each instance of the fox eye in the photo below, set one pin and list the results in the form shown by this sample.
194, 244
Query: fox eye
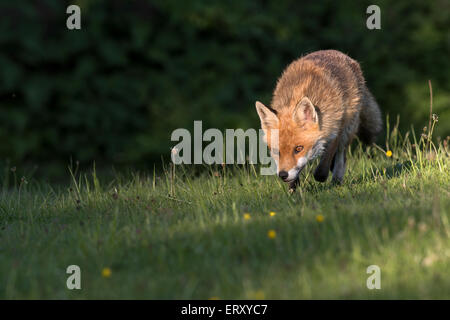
298, 149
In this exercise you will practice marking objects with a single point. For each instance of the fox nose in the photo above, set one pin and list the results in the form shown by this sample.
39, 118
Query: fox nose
283, 175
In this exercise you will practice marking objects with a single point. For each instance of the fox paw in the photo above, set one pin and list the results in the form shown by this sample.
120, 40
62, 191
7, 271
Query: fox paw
336, 181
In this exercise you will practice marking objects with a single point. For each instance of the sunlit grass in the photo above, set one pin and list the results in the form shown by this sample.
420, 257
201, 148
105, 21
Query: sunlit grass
228, 232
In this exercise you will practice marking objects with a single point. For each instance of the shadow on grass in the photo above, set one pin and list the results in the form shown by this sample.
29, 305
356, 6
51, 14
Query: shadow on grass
227, 260
392, 171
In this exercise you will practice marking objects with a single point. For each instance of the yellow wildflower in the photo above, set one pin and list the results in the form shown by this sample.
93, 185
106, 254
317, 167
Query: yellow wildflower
272, 214
320, 218
257, 295
389, 153
247, 216
271, 234
106, 272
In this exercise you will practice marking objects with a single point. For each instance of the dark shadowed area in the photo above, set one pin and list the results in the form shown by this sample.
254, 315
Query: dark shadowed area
114, 91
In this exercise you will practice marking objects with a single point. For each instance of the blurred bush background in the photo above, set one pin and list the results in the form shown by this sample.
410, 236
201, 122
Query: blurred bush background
114, 91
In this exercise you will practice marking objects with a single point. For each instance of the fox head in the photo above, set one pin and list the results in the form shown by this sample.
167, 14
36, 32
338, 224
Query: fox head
299, 136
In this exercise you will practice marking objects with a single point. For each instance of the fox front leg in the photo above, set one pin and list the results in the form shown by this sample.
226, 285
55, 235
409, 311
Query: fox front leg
293, 186
321, 172
339, 166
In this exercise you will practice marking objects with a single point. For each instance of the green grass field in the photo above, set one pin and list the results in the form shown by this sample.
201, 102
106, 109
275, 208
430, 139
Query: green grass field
209, 233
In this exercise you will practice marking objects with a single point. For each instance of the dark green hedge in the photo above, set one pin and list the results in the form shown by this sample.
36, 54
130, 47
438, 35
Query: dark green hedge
116, 89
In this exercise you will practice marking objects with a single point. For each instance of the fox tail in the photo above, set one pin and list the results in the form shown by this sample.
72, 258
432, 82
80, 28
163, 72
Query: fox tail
370, 119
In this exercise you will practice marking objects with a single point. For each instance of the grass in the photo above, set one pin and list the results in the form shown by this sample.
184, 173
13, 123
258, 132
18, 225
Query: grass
209, 233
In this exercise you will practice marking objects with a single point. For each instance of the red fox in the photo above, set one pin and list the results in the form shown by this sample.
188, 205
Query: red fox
319, 104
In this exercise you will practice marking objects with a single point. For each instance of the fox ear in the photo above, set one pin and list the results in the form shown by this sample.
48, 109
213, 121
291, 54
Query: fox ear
305, 111
268, 116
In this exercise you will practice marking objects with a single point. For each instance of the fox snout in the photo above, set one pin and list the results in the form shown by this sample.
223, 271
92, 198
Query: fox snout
291, 175
283, 175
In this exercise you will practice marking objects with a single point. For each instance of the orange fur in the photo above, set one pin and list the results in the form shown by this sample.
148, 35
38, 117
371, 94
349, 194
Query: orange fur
320, 102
